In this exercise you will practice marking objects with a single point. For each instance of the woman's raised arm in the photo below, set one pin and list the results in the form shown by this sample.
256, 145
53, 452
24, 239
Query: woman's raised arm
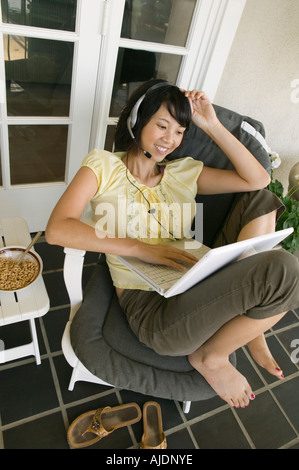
248, 173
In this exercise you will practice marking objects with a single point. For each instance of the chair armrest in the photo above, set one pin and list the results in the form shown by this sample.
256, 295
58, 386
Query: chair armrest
72, 274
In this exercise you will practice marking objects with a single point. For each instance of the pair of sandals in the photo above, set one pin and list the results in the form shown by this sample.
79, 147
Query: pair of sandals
92, 426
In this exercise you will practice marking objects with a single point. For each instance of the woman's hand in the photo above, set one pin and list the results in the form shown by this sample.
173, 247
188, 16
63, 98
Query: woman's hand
203, 113
164, 254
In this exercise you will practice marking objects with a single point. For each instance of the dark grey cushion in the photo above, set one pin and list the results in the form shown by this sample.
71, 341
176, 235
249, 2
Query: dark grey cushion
105, 344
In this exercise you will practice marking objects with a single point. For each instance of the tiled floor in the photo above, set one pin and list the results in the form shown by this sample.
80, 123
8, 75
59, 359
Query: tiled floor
36, 406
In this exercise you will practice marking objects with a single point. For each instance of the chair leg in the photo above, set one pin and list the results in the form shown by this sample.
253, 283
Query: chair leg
73, 380
78, 374
186, 406
35, 341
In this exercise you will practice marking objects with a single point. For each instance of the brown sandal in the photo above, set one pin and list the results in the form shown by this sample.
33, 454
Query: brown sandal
153, 435
92, 426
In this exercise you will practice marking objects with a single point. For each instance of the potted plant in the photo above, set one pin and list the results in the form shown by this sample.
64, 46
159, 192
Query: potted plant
290, 217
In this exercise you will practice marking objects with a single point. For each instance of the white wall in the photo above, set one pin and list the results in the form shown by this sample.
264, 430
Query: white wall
263, 62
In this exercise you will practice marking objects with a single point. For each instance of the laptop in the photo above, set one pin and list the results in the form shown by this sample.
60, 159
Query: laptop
168, 281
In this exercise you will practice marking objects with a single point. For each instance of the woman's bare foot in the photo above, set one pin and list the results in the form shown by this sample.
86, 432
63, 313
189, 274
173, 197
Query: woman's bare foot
260, 352
222, 376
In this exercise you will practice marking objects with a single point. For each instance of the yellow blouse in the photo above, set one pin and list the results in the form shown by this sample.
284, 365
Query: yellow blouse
121, 206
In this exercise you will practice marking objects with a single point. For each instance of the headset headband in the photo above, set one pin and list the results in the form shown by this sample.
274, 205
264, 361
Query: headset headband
132, 119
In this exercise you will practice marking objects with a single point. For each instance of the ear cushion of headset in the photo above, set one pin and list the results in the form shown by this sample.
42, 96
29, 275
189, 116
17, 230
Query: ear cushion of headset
134, 112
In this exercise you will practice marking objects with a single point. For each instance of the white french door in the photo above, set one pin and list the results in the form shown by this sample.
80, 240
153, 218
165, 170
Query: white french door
67, 68
49, 56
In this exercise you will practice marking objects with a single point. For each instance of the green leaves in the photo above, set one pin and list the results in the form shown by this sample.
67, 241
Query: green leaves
290, 217
276, 188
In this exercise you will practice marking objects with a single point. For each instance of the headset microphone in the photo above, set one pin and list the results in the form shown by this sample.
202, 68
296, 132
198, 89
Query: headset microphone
147, 154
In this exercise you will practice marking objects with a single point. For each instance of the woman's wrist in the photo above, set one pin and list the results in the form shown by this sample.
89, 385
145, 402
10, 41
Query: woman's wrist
214, 129
133, 247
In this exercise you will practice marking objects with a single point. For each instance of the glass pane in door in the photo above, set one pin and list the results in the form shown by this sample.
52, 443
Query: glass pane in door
37, 153
162, 21
134, 67
38, 76
53, 14
109, 141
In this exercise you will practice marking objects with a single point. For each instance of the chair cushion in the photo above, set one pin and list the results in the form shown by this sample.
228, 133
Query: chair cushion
105, 344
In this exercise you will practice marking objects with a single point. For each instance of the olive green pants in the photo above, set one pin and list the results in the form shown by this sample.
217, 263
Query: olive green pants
261, 286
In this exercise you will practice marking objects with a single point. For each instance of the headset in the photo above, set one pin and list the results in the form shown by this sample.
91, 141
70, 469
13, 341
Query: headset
131, 122
132, 119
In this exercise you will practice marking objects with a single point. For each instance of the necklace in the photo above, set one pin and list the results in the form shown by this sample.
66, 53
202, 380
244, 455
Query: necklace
150, 211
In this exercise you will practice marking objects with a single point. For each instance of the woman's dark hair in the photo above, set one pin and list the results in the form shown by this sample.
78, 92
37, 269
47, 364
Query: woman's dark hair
176, 102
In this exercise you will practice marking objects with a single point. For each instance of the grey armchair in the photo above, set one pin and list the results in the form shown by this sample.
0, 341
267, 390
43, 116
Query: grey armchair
98, 342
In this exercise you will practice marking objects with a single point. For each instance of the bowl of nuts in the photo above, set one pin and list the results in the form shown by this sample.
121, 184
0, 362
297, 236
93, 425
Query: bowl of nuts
17, 275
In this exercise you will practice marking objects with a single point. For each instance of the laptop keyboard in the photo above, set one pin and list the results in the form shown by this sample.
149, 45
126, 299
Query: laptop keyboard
164, 275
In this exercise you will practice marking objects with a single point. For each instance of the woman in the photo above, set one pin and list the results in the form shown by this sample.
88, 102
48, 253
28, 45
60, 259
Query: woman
233, 307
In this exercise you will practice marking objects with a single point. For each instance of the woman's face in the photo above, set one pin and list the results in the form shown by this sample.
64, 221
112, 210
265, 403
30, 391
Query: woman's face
162, 134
